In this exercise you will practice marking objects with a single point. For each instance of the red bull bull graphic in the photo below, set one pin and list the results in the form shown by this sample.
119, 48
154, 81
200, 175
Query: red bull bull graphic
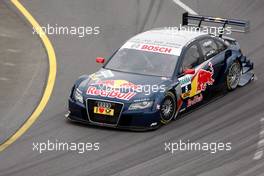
194, 84
119, 89
198, 83
205, 78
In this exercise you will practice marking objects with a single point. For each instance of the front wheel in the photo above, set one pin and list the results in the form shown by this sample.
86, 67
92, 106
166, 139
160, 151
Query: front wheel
233, 76
168, 108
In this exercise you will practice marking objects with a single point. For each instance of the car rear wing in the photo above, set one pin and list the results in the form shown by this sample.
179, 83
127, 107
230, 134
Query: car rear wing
241, 25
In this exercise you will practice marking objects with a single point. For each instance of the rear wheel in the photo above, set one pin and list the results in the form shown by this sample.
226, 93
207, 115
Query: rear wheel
168, 108
233, 76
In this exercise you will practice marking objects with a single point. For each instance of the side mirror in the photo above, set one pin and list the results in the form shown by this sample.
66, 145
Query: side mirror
188, 71
100, 60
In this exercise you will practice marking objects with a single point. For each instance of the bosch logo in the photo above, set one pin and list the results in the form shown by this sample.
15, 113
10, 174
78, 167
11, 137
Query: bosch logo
156, 48
104, 105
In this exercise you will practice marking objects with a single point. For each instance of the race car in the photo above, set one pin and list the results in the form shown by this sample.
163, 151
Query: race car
159, 73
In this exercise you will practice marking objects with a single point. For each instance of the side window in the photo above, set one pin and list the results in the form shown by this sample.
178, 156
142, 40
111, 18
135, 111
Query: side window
209, 48
191, 58
221, 46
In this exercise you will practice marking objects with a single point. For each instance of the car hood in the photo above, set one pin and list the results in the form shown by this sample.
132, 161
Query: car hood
124, 87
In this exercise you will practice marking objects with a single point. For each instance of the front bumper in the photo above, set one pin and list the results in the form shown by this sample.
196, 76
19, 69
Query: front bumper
132, 120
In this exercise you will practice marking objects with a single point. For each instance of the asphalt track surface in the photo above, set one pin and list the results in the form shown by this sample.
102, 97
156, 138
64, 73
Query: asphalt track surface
233, 118
23, 71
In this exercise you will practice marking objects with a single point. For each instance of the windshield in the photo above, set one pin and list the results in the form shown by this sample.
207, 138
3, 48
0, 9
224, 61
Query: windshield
143, 62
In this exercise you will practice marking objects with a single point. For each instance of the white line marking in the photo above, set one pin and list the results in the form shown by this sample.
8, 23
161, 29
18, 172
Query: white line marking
260, 150
4, 35
258, 155
3, 79
261, 143
261, 133
13, 50
8, 64
185, 7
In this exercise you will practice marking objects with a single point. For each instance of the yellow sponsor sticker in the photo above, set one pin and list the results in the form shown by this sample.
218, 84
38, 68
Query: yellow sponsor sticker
103, 111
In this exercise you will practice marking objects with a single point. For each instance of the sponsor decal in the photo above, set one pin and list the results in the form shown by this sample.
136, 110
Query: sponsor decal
186, 94
104, 108
151, 47
205, 77
194, 100
207, 43
104, 111
158, 49
185, 80
135, 46
186, 85
194, 84
116, 84
154, 124
101, 75
119, 89
142, 99
110, 94
172, 44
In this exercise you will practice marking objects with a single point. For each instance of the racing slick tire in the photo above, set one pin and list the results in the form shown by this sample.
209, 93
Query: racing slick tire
233, 76
168, 108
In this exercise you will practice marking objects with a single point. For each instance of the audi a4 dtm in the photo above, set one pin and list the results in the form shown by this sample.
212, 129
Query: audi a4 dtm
159, 73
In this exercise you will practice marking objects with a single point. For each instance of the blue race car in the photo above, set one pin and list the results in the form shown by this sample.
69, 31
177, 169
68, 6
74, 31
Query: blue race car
157, 74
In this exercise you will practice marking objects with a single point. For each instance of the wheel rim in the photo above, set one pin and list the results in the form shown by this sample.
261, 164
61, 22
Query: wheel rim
233, 76
167, 109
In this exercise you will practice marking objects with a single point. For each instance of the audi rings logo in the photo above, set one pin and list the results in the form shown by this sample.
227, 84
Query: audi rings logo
104, 105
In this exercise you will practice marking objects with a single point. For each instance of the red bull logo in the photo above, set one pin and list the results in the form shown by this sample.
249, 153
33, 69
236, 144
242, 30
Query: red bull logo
111, 94
205, 77
113, 89
117, 84
196, 99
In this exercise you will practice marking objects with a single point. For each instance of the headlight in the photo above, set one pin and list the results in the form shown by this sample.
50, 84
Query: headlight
140, 105
78, 95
